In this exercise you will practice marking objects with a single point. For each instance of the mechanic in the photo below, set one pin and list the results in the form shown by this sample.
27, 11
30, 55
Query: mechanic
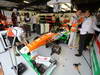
86, 32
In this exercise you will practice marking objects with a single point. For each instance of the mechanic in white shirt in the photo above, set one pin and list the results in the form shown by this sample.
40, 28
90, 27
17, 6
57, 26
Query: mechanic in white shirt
86, 32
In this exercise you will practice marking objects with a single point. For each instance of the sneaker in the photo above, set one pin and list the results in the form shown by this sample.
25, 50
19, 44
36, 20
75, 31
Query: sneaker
17, 54
76, 46
78, 55
70, 47
86, 49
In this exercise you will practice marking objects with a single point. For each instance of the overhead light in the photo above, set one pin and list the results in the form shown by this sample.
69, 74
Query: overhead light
74, 9
65, 7
69, 4
26, 2
99, 9
51, 5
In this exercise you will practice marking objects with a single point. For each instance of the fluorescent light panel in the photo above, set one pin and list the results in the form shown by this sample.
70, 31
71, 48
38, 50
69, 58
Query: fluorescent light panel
65, 7
99, 9
26, 2
51, 5
69, 4
74, 9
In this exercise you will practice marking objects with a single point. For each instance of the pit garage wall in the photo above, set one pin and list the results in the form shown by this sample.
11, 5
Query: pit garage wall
95, 57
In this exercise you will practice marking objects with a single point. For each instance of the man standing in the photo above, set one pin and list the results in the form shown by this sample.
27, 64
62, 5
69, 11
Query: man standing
86, 32
33, 21
74, 26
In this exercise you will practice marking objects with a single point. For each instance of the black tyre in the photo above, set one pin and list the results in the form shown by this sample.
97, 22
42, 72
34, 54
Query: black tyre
46, 46
36, 37
56, 49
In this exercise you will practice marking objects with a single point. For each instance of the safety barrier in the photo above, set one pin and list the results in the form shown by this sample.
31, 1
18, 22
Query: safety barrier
95, 57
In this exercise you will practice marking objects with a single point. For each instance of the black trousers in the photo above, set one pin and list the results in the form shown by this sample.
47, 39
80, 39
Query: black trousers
84, 42
34, 27
27, 29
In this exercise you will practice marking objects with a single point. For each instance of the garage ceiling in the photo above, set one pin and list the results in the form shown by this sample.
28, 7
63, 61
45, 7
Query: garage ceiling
4, 3
36, 5
87, 4
41, 5
84, 1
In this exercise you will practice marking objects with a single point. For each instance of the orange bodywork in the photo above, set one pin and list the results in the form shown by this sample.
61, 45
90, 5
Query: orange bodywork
81, 20
10, 33
74, 26
73, 29
44, 39
65, 24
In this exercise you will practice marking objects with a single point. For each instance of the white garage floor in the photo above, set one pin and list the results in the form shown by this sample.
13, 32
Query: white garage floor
65, 62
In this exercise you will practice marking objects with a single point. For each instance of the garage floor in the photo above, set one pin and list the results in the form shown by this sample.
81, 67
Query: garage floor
65, 61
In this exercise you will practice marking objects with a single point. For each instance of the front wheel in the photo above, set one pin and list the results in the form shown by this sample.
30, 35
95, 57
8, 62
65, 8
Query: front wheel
56, 49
